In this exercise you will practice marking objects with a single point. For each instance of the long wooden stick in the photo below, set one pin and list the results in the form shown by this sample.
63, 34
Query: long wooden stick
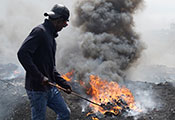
73, 93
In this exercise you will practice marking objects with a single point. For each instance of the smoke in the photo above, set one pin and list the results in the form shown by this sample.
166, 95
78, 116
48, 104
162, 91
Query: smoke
104, 41
107, 44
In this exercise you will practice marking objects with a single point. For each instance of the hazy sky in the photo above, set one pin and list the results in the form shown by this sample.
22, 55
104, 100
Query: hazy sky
154, 24
158, 13
20, 16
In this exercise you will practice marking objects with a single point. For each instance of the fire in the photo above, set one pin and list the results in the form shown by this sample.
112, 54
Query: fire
111, 95
112, 98
93, 118
68, 76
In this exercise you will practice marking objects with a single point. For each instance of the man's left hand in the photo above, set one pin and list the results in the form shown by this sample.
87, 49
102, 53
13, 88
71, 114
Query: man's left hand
68, 91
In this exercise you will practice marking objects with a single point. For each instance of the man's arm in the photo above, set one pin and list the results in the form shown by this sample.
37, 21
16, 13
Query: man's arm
27, 50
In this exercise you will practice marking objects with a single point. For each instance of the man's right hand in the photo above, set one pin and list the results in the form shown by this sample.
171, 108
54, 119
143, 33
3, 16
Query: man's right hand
45, 81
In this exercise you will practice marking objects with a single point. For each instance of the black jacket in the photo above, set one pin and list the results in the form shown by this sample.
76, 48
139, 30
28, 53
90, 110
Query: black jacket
37, 56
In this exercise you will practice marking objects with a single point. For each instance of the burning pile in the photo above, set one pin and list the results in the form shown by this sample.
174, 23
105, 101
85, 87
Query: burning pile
114, 100
107, 98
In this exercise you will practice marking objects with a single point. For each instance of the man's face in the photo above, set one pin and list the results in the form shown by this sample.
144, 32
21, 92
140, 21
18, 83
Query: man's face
60, 24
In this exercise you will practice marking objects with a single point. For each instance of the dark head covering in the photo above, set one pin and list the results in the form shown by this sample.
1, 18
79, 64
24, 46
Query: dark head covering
58, 11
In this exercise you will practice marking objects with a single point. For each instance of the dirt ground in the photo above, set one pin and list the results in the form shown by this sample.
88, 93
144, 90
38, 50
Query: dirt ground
14, 104
163, 92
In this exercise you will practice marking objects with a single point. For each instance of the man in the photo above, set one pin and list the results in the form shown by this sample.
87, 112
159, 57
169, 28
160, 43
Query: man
37, 56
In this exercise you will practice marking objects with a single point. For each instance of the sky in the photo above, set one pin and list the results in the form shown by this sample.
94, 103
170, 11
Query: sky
155, 24
160, 13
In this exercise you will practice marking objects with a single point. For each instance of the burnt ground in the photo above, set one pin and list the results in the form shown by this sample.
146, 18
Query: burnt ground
14, 104
163, 93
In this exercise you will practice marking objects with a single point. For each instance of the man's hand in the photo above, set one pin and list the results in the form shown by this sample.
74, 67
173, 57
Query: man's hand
67, 87
45, 81
68, 91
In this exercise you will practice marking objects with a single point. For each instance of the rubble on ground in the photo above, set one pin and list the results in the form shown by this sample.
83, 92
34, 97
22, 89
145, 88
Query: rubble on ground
14, 104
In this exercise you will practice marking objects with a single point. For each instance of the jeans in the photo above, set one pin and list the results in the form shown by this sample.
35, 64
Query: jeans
52, 98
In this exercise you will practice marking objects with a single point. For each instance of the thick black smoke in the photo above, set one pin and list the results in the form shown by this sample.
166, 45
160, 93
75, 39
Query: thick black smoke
108, 42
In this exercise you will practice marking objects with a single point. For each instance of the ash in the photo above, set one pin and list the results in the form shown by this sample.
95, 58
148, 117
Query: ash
12, 90
163, 93
14, 104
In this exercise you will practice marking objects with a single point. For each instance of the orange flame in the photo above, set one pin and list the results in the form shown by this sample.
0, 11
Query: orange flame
93, 118
68, 76
106, 92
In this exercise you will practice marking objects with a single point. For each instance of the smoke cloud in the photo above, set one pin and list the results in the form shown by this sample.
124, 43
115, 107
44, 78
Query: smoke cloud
102, 40
107, 42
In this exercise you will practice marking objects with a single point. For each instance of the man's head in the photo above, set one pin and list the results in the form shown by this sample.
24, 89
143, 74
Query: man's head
59, 15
